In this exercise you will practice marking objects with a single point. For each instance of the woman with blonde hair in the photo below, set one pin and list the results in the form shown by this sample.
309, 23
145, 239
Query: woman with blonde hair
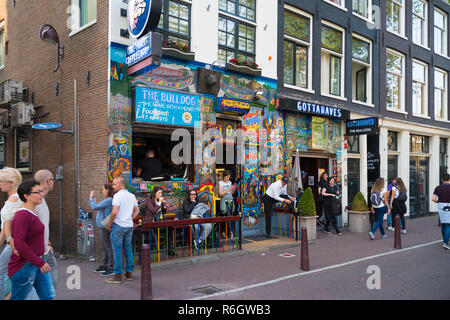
10, 179
379, 198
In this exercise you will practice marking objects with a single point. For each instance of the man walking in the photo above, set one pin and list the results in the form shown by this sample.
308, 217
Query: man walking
272, 195
441, 195
125, 209
46, 182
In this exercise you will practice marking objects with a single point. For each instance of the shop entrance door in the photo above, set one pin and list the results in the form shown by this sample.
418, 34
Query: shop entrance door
418, 186
313, 168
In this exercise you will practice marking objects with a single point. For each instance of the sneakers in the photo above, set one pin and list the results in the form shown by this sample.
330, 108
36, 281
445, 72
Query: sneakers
446, 246
403, 231
128, 276
106, 273
371, 236
115, 278
326, 230
384, 237
390, 228
102, 268
338, 233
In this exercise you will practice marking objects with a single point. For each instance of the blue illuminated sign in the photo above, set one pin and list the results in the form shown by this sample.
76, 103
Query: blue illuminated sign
139, 50
166, 107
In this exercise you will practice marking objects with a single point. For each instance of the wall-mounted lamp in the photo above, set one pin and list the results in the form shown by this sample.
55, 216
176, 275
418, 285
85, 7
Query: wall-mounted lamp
49, 34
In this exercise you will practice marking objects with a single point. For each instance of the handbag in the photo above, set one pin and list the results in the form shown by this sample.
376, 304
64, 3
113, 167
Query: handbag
105, 222
159, 216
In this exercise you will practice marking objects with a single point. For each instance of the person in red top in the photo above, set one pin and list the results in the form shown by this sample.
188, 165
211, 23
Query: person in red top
29, 269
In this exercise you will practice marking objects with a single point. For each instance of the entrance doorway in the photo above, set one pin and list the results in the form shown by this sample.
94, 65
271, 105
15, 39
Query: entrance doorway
313, 167
418, 186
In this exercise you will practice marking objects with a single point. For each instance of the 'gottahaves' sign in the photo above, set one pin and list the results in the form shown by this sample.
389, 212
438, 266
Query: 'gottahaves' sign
312, 108
361, 126
143, 16
165, 107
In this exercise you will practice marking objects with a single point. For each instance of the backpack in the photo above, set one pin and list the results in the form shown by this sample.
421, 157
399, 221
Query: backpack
402, 197
376, 199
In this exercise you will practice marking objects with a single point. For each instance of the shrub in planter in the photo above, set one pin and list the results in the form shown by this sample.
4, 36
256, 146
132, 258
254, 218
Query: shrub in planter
359, 203
307, 204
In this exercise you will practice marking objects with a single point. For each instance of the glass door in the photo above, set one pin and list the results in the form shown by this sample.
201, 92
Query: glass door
418, 186
352, 178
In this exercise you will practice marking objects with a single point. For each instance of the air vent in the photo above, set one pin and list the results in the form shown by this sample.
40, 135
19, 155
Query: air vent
206, 290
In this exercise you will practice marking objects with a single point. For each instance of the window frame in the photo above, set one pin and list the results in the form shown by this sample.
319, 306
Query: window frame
165, 18
300, 42
444, 101
368, 78
340, 5
401, 23
424, 87
402, 93
424, 28
236, 10
443, 40
76, 22
369, 10
2, 44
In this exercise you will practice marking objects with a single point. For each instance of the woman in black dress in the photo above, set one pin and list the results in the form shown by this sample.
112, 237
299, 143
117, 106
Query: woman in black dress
329, 194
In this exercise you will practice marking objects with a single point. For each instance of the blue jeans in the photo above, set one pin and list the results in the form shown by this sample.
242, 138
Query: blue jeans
445, 228
121, 239
389, 220
379, 212
30, 276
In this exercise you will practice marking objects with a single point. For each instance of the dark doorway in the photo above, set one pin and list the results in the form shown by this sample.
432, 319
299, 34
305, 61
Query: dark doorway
312, 170
418, 186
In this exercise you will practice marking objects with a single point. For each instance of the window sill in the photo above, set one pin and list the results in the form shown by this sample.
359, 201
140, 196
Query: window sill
336, 5
422, 46
396, 34
334, 97
421, 116
363, 18
442, 55
442, 120
228, 15
396, 110
87, 25
364, 103
290, 86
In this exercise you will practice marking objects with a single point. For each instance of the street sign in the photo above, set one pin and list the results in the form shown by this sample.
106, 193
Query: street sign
46, 126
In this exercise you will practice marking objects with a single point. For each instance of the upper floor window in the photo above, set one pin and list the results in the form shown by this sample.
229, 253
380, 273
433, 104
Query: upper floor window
440, 94
394, 16
88, 11
332, 75
2, 44
440, 32
419, 88
395, 78
236, 41
242, 8
419, 22
297, 49
361, 69
174, 23
340, 3
361, 7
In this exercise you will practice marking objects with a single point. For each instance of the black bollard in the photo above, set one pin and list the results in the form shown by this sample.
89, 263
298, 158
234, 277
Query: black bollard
397, 236
439, 221
304, 259
146, 273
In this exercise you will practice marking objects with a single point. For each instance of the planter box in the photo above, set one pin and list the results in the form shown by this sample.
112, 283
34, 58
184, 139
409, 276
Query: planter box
359, 221
230, 66
175, 53
311, 227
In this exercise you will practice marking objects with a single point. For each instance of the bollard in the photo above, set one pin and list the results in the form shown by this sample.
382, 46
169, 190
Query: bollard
304, 260
439, 221
397, 237
146, 273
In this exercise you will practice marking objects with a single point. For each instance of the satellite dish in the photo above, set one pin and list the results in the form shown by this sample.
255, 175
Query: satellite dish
46, 126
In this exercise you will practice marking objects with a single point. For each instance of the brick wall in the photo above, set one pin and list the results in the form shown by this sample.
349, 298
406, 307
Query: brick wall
32, 61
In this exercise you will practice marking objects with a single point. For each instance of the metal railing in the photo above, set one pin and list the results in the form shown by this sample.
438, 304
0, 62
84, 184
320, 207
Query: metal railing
285, 223
174, 239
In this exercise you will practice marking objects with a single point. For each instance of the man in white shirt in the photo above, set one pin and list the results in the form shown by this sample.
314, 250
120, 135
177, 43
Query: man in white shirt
272, 195
125, 209
46, 182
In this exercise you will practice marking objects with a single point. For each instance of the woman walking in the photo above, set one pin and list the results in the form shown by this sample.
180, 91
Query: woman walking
379, 198
104, 209
398, 203
330, 202
29, 270
10, 180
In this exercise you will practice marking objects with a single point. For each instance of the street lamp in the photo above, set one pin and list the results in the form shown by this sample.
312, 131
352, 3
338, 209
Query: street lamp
49, 34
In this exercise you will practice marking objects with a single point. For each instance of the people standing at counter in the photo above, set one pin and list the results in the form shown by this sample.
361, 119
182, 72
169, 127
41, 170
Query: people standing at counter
149, 167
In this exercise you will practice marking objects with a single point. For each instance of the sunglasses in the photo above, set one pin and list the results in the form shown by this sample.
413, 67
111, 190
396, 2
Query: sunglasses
193, 194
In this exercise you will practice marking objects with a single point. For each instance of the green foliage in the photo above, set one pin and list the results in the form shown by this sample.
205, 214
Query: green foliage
307, 204
359, 203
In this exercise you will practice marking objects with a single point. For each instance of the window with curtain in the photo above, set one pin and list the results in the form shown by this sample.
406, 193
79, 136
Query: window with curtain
361, 7
88, 11
419, 89
361, 69
332, 40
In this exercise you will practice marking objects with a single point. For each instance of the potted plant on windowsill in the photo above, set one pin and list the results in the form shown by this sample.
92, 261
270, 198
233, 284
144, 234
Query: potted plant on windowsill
176, 49
249, 68
307, 208
359, 215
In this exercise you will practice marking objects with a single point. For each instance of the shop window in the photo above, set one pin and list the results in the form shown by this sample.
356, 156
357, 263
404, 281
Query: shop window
236, 41
175, 22
419, 89
392, 141
361, 7
353, 173
332, 39
361, 70
2, 44
297, 52
440, 94
395, 79
242, 8
395, 12
419, 22
419, 144
440, 32
353, 144
392, 167
442, 156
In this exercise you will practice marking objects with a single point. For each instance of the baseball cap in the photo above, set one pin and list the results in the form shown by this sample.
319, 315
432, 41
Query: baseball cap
285, 179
